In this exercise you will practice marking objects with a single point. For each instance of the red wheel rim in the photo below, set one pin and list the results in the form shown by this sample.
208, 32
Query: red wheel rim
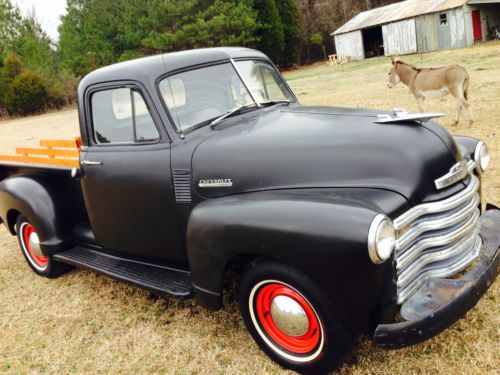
28, 229
296, 344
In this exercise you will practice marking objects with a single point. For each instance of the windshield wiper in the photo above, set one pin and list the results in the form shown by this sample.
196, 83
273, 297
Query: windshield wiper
242, 107
274, 102
231, 113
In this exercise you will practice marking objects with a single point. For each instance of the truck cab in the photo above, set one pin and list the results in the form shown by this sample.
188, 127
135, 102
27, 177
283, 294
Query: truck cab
197, 163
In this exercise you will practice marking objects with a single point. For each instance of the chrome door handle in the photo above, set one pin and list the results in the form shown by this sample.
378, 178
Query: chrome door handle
89, 163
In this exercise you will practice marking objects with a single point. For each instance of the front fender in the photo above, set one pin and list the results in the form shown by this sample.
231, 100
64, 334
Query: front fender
467, 145
45, 205
322, 235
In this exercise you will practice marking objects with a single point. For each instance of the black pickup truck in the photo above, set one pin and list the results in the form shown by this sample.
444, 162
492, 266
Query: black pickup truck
199, 164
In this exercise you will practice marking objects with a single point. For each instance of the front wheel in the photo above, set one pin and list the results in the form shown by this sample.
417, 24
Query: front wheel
30, 246
291, 319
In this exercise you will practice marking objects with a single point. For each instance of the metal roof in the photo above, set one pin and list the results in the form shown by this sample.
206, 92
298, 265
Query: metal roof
397, 11
479, 2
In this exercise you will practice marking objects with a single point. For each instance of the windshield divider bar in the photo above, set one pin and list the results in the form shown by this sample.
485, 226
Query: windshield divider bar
245, 83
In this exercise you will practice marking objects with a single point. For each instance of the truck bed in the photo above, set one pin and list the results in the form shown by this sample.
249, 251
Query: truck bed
53, 152
53, 162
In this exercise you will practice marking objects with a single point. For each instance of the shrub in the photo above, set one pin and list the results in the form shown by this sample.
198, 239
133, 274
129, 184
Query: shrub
12, 66
317, 39
28, 94
61, 89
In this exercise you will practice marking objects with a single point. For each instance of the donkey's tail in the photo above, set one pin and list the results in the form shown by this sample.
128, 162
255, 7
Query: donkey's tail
466, 87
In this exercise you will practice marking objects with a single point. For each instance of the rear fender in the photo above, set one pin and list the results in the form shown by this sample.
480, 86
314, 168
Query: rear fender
46, 205
323, 236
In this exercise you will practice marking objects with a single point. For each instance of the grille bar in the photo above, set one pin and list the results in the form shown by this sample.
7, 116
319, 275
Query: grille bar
438, 239
435, 207
435, 256
438, 222
445, 270
446, 238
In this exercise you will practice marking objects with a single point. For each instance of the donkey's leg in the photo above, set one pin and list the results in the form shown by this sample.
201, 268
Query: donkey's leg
465, 94
420, 101
469, 111
464, 104
460, 105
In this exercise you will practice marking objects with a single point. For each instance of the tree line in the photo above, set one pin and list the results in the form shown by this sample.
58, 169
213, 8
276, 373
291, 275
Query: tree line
37, 73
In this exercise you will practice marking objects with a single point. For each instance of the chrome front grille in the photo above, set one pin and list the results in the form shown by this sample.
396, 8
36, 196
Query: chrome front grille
437, 239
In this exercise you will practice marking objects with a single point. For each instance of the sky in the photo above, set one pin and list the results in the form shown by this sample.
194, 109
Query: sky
48, 13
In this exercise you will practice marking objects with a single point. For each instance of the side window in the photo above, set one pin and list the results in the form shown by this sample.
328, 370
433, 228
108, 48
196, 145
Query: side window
122, 116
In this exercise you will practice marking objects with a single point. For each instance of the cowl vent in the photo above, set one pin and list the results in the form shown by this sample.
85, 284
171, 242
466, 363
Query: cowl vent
182, 185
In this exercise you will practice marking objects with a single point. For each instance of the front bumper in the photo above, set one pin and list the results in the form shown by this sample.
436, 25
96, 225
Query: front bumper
441, 302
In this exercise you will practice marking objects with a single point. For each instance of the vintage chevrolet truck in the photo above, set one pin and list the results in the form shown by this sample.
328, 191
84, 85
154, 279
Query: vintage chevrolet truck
199, 164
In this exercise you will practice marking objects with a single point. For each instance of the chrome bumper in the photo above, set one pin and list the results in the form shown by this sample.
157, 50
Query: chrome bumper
440, 301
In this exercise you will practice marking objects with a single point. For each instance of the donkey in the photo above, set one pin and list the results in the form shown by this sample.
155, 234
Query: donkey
433, 83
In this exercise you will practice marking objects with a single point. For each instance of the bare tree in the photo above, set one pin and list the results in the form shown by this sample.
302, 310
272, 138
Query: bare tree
325, 16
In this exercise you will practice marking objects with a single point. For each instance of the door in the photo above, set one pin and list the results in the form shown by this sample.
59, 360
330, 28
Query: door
476, 25
127, 181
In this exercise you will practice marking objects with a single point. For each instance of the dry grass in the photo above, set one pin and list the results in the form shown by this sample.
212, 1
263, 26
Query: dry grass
84, 323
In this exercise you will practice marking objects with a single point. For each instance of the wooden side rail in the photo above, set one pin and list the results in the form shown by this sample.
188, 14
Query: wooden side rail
51, 152
50, 143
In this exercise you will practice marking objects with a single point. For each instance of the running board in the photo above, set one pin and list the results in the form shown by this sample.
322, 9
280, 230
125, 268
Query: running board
161, 280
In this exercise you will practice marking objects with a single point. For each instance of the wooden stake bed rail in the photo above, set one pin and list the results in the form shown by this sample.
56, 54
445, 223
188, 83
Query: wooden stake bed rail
51, 152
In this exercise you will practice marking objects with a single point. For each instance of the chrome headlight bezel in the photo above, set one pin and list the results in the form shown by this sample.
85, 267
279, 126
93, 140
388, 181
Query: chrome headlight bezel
381, 239
482, 157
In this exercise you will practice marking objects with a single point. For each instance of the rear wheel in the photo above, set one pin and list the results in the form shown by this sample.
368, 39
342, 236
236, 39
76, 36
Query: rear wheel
291, 319
30, 245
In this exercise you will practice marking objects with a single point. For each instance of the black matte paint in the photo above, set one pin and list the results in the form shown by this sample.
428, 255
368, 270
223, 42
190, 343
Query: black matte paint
307, 182
51, 201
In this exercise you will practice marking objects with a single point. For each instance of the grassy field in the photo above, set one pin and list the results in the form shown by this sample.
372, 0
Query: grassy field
84, 323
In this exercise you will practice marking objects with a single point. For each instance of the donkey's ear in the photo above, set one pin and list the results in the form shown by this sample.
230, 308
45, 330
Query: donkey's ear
394, 59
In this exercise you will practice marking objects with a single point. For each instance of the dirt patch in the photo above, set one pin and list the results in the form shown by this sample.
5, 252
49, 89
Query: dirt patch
28, 131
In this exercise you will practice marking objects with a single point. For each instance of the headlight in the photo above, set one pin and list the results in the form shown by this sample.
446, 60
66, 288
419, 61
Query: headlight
381, 239
481, 157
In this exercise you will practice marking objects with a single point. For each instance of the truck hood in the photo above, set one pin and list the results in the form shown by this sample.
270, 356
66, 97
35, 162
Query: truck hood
324, 147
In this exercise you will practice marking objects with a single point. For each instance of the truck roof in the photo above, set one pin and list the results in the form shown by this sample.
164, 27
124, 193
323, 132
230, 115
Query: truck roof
151, 67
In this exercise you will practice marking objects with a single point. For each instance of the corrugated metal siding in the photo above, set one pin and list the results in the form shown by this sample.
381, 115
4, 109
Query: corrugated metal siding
350, 44
427, 37
398, 11
469, 33
432, 36
456, 31
400, 38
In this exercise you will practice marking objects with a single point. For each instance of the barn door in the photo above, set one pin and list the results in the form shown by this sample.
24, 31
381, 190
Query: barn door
476, 25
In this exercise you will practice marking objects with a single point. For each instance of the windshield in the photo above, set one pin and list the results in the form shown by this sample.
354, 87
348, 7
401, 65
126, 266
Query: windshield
198, 96
263, 80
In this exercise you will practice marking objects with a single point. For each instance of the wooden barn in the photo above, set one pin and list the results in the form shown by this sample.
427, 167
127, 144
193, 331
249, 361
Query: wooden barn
415, 26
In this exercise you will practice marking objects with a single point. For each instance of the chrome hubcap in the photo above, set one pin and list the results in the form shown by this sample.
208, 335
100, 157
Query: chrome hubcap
35, 244
289, 316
